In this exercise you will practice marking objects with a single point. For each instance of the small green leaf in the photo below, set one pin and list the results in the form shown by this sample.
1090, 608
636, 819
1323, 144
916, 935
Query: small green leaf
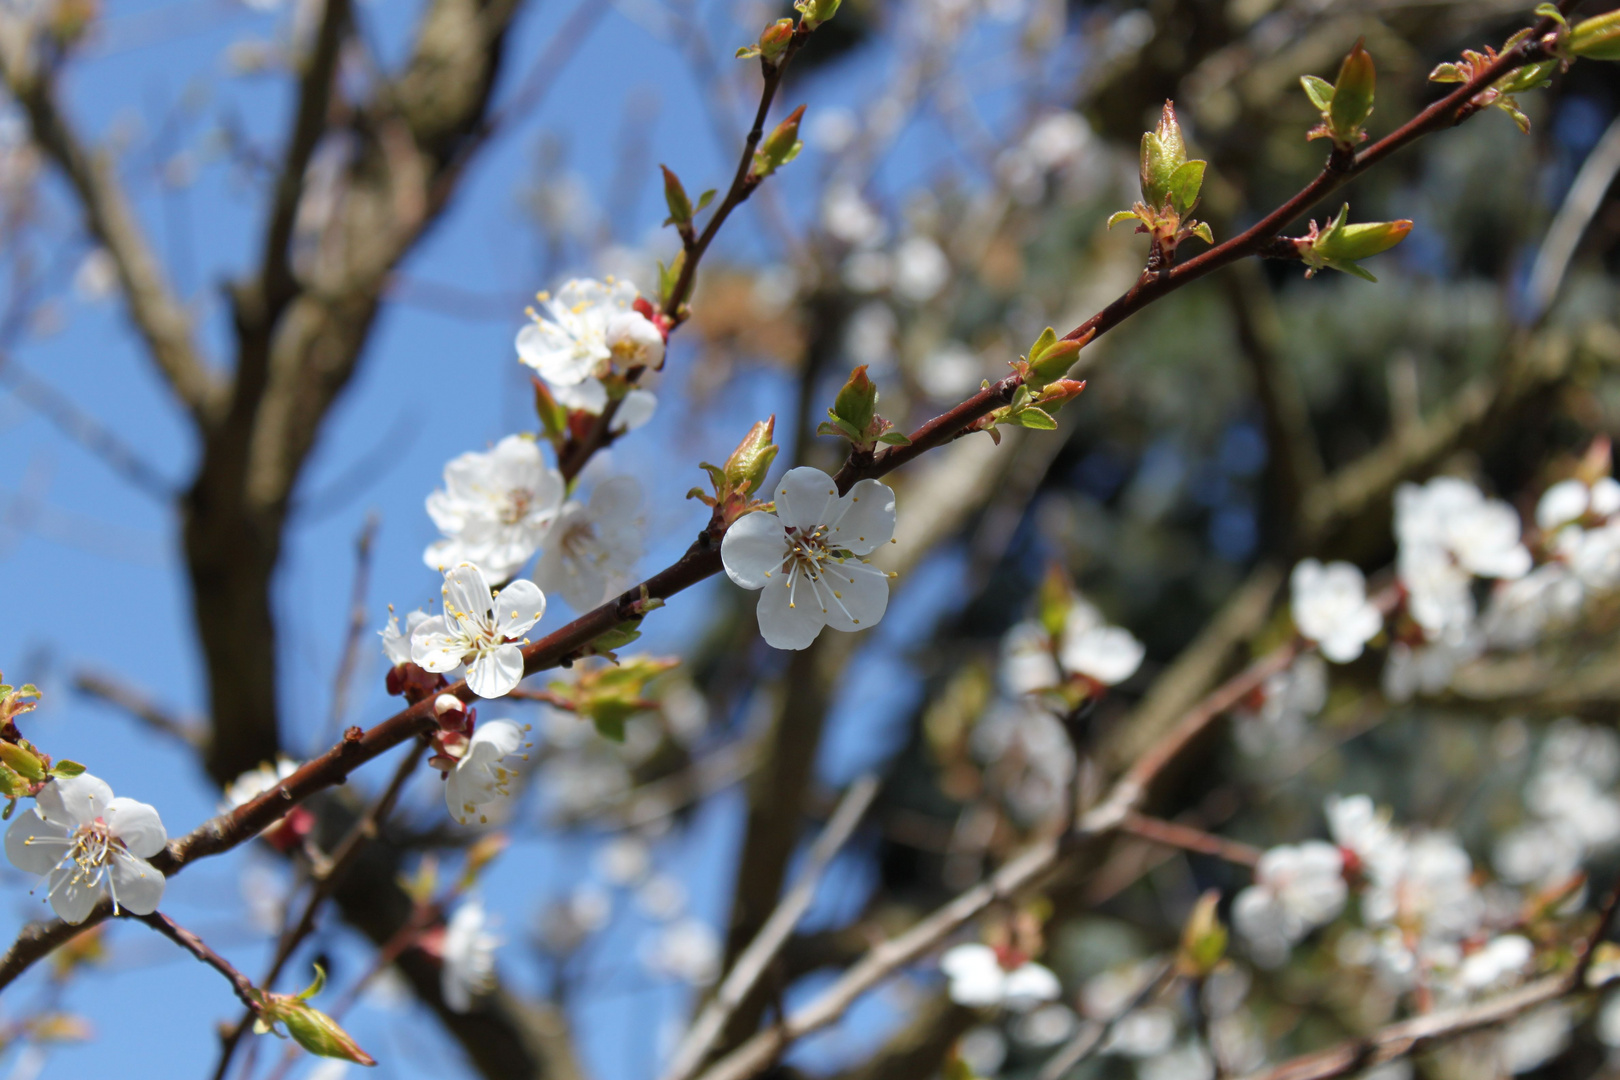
1185, 184
1122, 215
1320, 91
1597, 38
1448, 73
894, 438
67, 768
704, 200
1036, 418
610, 727
1202, 231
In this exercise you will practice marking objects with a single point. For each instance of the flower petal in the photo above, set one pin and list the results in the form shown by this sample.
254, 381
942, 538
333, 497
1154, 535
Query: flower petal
74, 800
753, 549
497, 672
73, 893
867, 521
495, 739
466, 595
138, 826
1029, 986
789, 618
856, 595
588, 395
434, 648
35, 845
635, 410
136, 884
518, 607
805, 498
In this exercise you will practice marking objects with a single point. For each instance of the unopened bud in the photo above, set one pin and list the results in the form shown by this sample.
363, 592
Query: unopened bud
774, 40
22, 761
1163, 152
1203, 939
781, 146
1352, 96
745, 469
308, 1026
816, 12
680, 207
1050, 358
1597, 38
447, 703
856, 403
1340, 245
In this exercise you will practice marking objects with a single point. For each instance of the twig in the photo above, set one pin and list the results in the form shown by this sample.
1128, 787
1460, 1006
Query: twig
343, 678
1569, 224
1176, 835
363, 830
752, 964
139, 706
1600, 932
1093, 1032
198, 948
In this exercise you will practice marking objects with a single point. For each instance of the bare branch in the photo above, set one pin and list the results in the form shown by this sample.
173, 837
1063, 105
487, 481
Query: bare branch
125, 697
198, 948
750, 967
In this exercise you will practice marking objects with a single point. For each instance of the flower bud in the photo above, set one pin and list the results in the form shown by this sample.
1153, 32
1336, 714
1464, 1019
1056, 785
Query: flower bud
1597, 38
321, 1035
1203, 939
1352, 96
1050, 358
447, 703
745, 469
781, 146
774, 41
22, 761
816, 12
1163, 152
1339, 246
856, 403
680, 207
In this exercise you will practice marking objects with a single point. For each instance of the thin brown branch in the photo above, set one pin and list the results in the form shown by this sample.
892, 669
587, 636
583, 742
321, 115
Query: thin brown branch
127, 698
199, 948
1175, 834
751, 966
325, 884
343, 677
162, 321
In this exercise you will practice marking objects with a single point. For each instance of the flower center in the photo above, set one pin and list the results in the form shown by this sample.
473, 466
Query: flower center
89, 851
806, 557
515, 507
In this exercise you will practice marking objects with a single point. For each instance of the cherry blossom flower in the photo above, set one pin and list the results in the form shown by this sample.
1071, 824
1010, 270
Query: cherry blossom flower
594, 545
480, 631
468, 958
1496, 964
591, 396
495, 508
1330, 607
396, 643
688, 950
85, 842
481, 776
1448, 531
1102, 653
586, 328
1570, 500
1296, 889
979, 979
1027, 663
808, 557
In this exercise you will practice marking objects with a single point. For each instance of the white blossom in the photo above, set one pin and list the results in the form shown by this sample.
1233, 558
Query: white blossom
1570, 500
1364, 831
1296, 889
1291, 697
482, 632
494, 509
482, 776
396, 643
1027, 663
468, 969
85, 843
591, 396
978, 979
808, 558
594, 545
587, 327
921, 269
688, 950
1425, 886
1330, 607
1495, 964
1447, 531
255, 782
1108, 654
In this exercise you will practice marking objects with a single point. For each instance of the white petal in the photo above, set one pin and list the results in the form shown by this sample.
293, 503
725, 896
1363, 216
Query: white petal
753, 549
856, 595
1563, 502
35, 845
584, 585
466, 595
635, 410
589, 395
461, 796
868, 518
74, 800
443, 554
518, 607
434, 648
136, 884
72, 895
1030, 985
496, 739
497, 672
967, 961
805, 498
138, 826
616, 500
789, 618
